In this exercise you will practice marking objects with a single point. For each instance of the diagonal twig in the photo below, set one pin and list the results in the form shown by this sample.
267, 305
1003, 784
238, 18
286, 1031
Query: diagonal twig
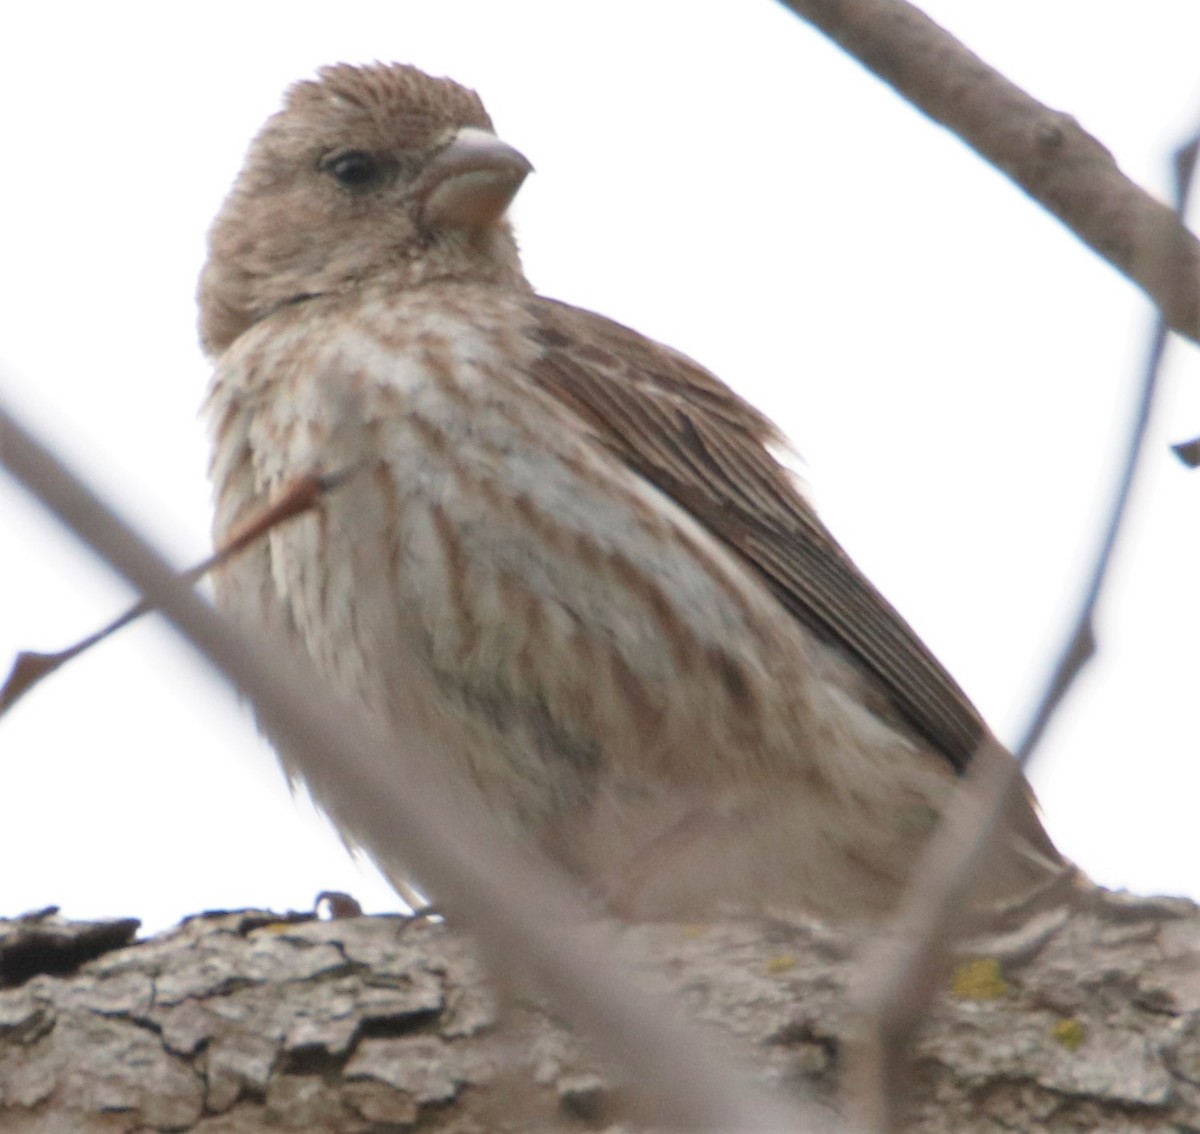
902, 969
30, 666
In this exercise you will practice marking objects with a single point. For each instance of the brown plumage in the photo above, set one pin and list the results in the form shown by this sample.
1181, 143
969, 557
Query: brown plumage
635, 637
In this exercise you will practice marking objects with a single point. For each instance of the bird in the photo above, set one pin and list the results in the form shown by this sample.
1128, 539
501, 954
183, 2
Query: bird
616, 608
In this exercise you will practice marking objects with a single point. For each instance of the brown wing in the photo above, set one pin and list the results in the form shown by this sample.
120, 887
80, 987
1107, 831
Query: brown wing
694, 439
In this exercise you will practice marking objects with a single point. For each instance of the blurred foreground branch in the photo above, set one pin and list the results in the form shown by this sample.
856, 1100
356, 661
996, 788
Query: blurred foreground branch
530, 921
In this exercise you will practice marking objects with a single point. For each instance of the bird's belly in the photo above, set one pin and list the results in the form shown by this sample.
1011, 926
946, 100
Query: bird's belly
617, 689
617, 686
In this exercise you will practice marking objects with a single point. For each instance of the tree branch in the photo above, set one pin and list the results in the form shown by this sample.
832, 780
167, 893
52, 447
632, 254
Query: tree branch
389, 793
1044, 151
245, 1022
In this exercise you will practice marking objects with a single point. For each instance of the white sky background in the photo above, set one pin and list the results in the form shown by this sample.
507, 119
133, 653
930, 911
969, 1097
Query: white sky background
955, 368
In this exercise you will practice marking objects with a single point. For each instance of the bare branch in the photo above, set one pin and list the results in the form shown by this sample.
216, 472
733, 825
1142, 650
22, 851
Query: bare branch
1081, 644
1044, 151
900, 971
526, 915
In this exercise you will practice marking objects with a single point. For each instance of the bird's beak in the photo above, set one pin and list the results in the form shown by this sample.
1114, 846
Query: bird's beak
471, 182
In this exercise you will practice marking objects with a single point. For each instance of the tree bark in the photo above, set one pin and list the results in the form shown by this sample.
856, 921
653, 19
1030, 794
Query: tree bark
1083, 1019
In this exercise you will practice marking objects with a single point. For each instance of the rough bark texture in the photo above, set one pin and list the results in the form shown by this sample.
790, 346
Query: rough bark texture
239, 1022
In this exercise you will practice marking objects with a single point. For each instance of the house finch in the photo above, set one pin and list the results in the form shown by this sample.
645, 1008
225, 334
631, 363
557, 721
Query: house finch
632, 635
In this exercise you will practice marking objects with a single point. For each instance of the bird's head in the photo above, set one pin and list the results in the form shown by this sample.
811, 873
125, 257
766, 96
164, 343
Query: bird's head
377, 173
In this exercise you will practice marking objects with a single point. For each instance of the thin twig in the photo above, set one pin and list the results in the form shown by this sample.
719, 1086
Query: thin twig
901, 971
31, 667
1081, 644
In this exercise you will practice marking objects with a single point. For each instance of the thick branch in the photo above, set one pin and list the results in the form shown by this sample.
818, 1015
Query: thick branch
246, 1022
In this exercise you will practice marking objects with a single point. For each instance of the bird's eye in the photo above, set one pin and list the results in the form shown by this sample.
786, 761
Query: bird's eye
355, 169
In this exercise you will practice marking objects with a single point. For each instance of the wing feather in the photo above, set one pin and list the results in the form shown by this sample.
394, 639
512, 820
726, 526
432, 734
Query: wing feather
692, 437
